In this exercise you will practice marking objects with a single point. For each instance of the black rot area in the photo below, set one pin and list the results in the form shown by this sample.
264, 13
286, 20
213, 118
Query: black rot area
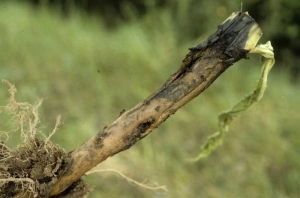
137, 134
174, 92
157, 108
99, 139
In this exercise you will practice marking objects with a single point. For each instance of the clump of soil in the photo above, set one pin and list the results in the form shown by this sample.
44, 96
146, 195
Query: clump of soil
32, 168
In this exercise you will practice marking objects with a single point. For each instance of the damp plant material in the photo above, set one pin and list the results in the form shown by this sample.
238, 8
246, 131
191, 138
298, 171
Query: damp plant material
225, 118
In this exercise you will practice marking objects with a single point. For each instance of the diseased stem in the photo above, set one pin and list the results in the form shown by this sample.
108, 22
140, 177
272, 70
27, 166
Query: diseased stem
234, 38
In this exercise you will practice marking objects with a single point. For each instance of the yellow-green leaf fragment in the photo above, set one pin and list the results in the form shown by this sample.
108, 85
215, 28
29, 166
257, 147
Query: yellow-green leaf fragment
225, 118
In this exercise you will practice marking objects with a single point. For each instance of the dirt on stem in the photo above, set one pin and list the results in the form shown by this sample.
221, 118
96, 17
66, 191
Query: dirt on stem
33, 167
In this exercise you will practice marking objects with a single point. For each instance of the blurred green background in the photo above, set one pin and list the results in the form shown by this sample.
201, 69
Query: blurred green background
88, 62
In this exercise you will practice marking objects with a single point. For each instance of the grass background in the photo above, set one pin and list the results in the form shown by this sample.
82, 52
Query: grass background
88, 74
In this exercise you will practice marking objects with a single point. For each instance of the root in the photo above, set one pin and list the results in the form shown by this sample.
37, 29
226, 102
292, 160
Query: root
142, 185
32, 168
